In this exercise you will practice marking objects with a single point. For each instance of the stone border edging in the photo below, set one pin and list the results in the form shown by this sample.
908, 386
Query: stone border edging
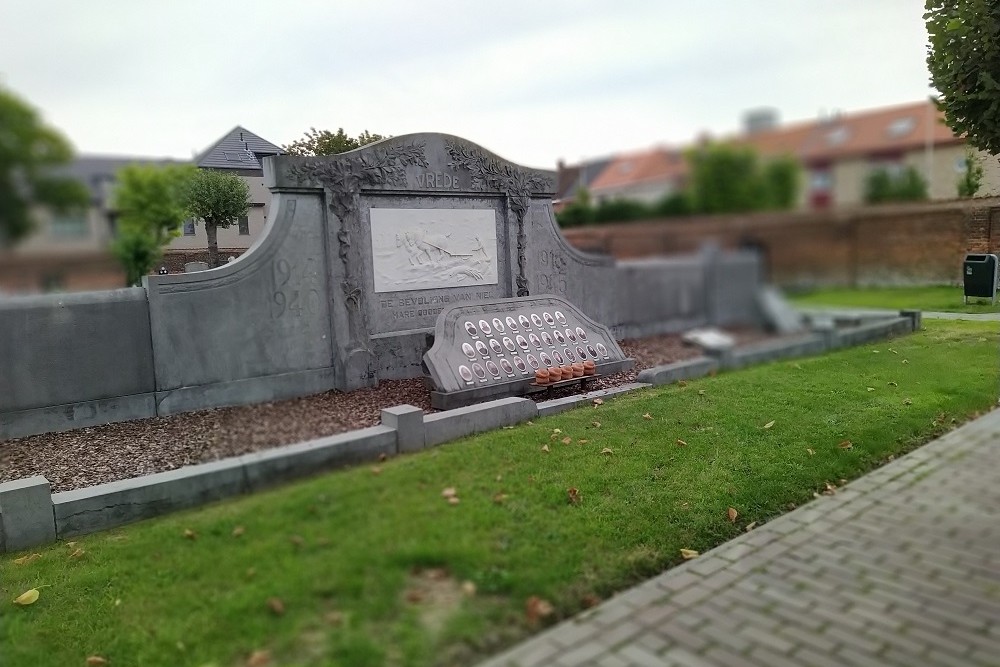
30, 515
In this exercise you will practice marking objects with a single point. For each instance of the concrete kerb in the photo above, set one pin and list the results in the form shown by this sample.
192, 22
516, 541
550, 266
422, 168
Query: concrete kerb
31, 515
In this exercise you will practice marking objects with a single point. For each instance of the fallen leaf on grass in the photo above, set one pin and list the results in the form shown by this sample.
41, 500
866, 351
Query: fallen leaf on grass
96, 661
682, 383
545, 448
797, 367
556, 431
566, 440
238, 531
574, 495
450, 492
751, 526
414, 597
508, 428
334, 618
590, 600
906, 361
582, 442
499, 498
607, 450
596, 424
893, 351
259, 658
871, 388
811, 451
701, 392
24, 560
769, 424
647, 416
893, 384
846, 444
276, 606
688, 554
732, 514
681, 443
907, 401
376, 470
27, 597
468, 588
598, 401
453, 500
190, 534
77, 553
536, 609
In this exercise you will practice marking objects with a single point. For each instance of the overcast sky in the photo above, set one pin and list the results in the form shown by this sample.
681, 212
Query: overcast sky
533, 81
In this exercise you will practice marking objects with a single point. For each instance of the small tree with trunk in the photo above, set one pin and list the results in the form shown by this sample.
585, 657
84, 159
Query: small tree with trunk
151, 203
218, 199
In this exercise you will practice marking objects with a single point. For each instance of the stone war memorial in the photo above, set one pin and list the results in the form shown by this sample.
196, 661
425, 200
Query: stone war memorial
362, 254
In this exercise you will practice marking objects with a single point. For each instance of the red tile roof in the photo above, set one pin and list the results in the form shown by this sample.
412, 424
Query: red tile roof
656, 165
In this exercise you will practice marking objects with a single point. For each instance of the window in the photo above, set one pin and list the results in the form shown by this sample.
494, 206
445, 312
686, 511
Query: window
960, 164
244, 226
837, 136
820, 180
901, 127
69, 225
189, 228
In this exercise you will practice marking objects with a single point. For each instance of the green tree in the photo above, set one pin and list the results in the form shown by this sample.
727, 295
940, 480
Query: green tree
782, 181
972, 176
325, 142
726, 179
963, 57
620, 209
151, 202
882, 186
219, 199
578, 212
30, 153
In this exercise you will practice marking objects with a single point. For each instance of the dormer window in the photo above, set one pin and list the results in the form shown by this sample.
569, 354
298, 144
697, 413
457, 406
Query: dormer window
900, 127
837, 136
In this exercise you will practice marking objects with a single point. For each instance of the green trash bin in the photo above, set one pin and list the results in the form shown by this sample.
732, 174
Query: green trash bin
979, 273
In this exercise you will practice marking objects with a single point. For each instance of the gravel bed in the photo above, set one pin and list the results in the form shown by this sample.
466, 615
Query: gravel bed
100, 454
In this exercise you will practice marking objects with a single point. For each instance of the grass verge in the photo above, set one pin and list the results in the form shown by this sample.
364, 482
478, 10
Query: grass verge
374, 566
939, 298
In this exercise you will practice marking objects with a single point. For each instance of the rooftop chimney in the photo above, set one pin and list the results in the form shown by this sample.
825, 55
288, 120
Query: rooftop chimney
760, 120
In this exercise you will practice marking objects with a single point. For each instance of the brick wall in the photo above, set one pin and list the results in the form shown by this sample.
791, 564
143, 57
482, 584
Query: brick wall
889, 244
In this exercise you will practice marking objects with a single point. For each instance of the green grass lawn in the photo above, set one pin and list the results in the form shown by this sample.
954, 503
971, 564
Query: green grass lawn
942, 298
373, 566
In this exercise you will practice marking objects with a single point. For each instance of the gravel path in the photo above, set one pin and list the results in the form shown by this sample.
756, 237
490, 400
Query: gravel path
89, 456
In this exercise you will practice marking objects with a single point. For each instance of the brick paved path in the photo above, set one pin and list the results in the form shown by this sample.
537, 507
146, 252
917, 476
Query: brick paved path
901, 567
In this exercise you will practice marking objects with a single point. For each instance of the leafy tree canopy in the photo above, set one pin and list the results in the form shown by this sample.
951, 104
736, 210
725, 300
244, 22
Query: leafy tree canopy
152, 203
325, 142
29, 153
963, 57
218, 198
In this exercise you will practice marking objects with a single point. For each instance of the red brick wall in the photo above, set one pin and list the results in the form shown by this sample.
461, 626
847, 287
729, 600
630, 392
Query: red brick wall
914, 243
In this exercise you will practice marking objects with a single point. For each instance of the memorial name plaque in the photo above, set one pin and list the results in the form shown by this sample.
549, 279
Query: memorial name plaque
498, 348
433, 248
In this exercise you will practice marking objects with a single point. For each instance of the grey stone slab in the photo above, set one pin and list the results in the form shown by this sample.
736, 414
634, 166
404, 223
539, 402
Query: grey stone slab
55, 418
408, 422
105, 506
679, 370
245, 391
64, 349
778, 315
503, 342
872, 331
766, 351
556, 405
272, 466
460, 422
26, 518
